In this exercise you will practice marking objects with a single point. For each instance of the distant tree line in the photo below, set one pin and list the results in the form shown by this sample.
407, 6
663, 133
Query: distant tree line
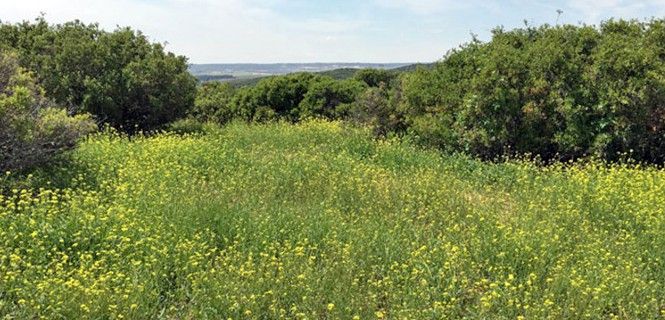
557, 92
215, 77
363, 98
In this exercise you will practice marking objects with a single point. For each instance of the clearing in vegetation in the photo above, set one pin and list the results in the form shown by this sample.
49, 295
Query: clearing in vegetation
320, 221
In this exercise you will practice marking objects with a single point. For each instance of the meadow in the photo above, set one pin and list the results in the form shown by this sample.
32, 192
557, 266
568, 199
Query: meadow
321, 221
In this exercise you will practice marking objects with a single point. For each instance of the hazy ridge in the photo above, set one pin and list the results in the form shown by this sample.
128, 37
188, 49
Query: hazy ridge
263, 69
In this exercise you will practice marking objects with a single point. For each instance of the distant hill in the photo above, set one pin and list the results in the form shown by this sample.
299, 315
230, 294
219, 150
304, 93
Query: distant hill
245, 82
340, 74
265, 69
413, 67
241, 75
337, 74
213, 77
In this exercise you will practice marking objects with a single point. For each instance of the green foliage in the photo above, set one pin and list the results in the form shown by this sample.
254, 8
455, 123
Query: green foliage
292, 97
339, 74
119, 77
558, 92
281, 95
213, 102
375, 77
329, 98
32, 132
186, 126
370, 98
377, 107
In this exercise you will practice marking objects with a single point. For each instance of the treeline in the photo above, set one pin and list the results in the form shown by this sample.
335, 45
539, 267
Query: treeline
292, 97
555, 92
558, 92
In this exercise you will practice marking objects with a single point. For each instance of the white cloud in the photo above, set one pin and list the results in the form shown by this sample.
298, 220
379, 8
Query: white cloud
205, 30
264, 31
422, 7
596, 10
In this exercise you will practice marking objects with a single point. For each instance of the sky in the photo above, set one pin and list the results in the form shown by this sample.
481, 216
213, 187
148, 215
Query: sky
277, 31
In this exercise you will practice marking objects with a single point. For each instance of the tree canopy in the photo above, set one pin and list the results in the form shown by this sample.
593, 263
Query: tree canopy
557, 92
120, 77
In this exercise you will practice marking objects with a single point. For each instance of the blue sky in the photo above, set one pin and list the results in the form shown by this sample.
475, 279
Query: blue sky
228, 31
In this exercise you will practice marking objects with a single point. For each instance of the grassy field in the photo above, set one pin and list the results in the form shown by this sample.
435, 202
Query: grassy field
319, 221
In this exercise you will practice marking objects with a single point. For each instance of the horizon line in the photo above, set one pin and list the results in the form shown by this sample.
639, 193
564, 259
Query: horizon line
335, 62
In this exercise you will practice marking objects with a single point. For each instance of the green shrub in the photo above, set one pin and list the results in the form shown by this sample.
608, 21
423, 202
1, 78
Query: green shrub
376, 107
375, 77
328, 98
292, 97
212, 102
281, 94
557, 92
186, 126
32, 131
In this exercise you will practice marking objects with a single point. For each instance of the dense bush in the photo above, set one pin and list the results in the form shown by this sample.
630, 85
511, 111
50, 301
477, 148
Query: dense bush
377, 107
278, 97
291, 97
119, 77
213, 102
375, 77
329, 98
32, 131
368, 98
557, 92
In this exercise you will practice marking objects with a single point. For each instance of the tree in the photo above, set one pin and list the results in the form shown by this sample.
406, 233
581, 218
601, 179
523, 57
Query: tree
329, 98
560, 92
377, 107
375, 77
119, 77
274, 97
213, 102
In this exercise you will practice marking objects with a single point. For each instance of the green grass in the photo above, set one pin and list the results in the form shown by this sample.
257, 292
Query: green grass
319, 221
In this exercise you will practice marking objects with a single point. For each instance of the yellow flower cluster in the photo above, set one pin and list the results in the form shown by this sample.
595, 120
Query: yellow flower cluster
319, 221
